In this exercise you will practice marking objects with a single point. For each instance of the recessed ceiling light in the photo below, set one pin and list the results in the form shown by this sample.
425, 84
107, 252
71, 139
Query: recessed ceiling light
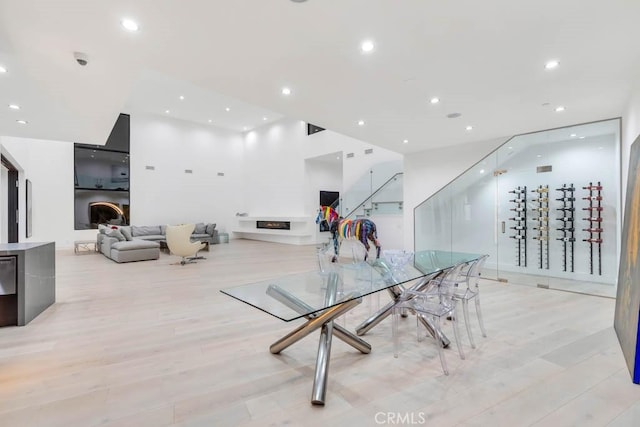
469, 128
130, 25
434, 100
286, 91
406, 141
573, 135
167, 111
14, 106
581, 137
600, 148
367, 46
510, 148
21, 122
264, 118
550, 65
481, 170
227, 109
360, 122
181, 98
245, 128
209, 120
560, 109
2, 69
338, 158
539, 155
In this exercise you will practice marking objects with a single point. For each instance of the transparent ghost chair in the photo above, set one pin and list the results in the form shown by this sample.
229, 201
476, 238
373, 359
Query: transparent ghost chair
434, 304
467, 289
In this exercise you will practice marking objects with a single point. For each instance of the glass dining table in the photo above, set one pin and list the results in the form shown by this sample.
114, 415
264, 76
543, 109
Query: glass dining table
320, 297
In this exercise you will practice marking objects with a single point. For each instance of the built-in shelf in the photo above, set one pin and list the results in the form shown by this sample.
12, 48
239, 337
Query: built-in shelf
272, 231
301, 231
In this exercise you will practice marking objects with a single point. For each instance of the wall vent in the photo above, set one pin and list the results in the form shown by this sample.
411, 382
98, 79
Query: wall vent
541, 169
188, 171
368, 151
220, 173
349, 155
150, 168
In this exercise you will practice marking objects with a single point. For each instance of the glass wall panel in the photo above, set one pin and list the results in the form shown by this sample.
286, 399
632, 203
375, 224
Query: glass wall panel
545, 207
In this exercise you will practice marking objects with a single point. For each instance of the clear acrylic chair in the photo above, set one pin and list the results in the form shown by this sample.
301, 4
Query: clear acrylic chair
467, 289
432, 305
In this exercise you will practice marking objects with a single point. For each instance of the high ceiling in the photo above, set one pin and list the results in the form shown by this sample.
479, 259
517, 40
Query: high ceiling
484, 60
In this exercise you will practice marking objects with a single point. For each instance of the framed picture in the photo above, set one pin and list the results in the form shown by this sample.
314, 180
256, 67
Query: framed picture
29, 219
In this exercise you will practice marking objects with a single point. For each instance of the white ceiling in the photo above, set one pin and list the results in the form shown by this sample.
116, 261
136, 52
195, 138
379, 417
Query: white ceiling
484, 60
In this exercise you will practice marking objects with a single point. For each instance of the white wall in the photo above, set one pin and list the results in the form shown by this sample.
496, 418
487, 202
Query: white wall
274, 165
428, 171
630, 131
49, 166
168, 195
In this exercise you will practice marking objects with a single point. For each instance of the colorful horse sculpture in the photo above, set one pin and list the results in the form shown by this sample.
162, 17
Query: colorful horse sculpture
360, 229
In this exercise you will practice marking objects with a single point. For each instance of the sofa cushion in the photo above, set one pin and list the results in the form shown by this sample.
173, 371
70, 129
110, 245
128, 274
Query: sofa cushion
134, 245
117, 234
145, 230
151, 237
163, 230
210, 229
201, 228
126, 232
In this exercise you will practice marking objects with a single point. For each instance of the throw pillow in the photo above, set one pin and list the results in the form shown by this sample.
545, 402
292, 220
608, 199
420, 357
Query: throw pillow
126, 232
210, 229
117, 234
201, 228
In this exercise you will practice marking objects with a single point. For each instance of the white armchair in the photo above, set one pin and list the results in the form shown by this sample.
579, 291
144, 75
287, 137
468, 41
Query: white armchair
179, 242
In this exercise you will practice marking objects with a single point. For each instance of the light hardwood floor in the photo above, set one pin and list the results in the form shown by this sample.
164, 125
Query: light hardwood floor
157, 344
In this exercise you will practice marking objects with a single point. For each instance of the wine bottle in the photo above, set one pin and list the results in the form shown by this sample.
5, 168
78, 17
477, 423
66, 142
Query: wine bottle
541, 200
592, 198
565, 219
566, 229
592, 240
566, 189
542, 228
517, 218
593, 187
517, 191
566, 239
593, 208
541, 209
517, 200
565, 209
540, 190
541, 219
593, 219
593, 230
541, 238
518, 227
518, 209
517, 237
567, 199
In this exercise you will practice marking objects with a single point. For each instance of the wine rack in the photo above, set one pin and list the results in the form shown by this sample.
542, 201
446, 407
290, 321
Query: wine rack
567, 225
541, 209
520, 223
594, 219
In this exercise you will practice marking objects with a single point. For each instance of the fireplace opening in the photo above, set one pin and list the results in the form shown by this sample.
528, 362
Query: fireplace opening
274, 225
106, 213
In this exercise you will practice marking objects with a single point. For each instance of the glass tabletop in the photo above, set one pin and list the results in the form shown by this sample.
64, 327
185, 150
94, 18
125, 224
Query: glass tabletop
299, 295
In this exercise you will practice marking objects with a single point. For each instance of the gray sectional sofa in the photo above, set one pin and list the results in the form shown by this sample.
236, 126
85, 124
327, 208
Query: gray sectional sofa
140, 243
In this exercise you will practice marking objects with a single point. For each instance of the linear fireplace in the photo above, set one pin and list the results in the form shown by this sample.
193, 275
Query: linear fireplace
274, 225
